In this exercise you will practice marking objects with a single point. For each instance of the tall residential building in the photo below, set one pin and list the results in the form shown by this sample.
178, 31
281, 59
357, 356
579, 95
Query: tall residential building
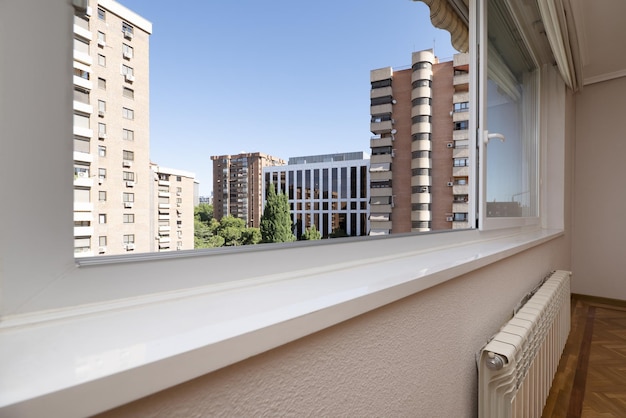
111, 130
173, 193
419, 162
238, 185
117, 206
329, 191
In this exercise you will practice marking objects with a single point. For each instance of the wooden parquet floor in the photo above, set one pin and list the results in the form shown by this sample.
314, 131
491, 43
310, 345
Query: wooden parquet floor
591, 378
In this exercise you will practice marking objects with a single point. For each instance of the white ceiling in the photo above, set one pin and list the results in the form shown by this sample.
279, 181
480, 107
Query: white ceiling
601, 28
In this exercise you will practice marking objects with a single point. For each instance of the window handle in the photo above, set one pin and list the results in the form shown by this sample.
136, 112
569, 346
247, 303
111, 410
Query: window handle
489, 136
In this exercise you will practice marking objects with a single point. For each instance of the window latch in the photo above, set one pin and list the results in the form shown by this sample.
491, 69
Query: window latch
489, 136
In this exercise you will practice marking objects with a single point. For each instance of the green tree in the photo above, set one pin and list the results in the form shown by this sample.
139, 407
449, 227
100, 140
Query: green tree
203, 212
276, 223
338, 233
311, 234
204, 236
229, 231
250, 236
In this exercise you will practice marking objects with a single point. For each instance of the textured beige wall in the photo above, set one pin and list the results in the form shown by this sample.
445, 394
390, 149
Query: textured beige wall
412, 358
599, 203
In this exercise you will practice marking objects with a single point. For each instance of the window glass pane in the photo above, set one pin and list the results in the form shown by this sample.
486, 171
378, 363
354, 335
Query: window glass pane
81, 195
81, 95
511, 121
81, 121
81, 144
81, 46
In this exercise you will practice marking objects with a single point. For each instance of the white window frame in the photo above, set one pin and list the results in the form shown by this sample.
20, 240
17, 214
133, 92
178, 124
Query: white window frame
478, 132
42, 283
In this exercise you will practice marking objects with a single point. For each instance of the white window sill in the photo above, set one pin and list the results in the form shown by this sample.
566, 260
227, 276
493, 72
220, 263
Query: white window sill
86, 361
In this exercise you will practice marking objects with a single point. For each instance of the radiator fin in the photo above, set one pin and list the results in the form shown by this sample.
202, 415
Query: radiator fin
516, 368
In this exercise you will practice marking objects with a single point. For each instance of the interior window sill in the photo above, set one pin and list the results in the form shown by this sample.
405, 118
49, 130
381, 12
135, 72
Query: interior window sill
75, 363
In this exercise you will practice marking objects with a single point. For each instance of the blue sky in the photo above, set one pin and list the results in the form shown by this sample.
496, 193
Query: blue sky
281, 77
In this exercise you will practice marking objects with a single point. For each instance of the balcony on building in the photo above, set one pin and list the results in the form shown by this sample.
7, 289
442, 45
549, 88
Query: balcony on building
460, 207
460, 189
83, 231
381, 127
381, 141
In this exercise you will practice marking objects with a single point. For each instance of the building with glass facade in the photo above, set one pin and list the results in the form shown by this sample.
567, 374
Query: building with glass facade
329, 191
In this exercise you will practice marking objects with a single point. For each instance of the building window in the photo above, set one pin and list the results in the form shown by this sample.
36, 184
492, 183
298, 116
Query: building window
81, 46
128, 155
128, 93
102, 39
126, 70
81, 74
129, 239
420, 119
380, 184
102, 83
461, 107
102, 107
102, 241
102, 60
128, 197
102, 151
128, 30
102, 128
422, 65
381, 150
179, 178
420, 189
81, 170
81, 120
421, 137
381, 83
102, 15
128, 113
128, 135
420, 154
82, 195
81, 144
380, 100
128, 218
421, 83
461, 162
102, 218
128, 176
102, 173
461, 125
421, 101
380, 118
460, 217
82, 244
127, 51
102, 196
81, 95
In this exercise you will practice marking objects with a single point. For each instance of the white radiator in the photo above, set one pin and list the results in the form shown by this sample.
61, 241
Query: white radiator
517, 366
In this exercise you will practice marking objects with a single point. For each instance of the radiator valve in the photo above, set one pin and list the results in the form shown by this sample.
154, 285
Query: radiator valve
494, 361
